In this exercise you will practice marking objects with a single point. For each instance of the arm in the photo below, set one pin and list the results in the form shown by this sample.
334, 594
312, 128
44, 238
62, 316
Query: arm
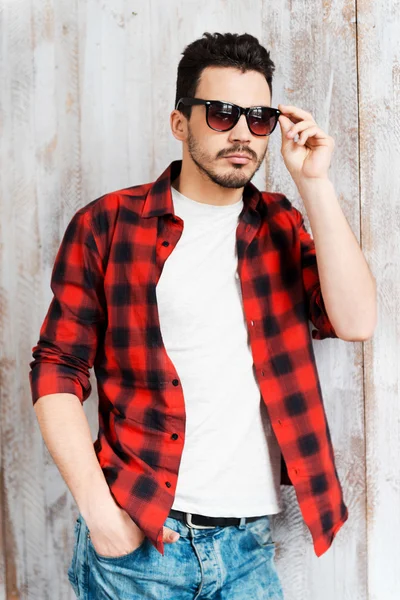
75, 320
316, 310
65, 352
347, 285
59, 379
67, 435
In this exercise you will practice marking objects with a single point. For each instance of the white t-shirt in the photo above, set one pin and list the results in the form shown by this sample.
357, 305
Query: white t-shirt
230, 465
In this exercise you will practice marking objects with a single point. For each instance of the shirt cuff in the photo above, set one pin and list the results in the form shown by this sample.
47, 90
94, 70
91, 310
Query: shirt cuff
51, 379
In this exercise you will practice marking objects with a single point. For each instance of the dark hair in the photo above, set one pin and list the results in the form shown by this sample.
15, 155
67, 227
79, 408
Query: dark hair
242, 52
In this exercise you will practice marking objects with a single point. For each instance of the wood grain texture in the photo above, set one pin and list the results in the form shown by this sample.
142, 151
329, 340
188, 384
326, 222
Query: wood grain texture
314, 48
76, 78
379, 113
20, 450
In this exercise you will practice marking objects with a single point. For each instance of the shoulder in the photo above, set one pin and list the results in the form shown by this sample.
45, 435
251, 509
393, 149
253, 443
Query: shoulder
103, 212
280, 209
96, 224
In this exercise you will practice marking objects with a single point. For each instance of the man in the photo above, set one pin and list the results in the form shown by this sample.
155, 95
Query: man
192, 297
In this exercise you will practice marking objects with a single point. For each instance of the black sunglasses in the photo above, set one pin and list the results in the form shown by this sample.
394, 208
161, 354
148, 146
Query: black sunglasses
223, 116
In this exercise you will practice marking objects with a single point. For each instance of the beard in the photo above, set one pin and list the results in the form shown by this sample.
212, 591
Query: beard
234, 177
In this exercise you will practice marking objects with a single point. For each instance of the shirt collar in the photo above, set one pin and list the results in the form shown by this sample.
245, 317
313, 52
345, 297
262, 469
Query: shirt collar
159, 197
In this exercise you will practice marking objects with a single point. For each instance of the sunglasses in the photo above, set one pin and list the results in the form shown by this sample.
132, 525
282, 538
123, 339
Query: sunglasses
223, 116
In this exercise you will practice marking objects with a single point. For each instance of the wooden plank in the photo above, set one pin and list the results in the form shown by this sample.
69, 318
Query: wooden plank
58, 193
37, 517
21, 487
379, 113
314, 50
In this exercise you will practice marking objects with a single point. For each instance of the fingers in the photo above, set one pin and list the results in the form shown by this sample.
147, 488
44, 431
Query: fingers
299, 127
296, 112
170, 535
310, 131
306, 129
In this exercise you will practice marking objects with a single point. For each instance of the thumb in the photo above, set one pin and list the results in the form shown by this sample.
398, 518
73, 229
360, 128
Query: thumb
170, 535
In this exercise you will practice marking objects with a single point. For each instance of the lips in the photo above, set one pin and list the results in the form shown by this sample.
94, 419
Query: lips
238, 158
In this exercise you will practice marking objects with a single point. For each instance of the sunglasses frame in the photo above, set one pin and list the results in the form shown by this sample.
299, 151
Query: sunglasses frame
242, 111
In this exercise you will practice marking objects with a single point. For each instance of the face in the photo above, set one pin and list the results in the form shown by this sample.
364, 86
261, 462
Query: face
208, 148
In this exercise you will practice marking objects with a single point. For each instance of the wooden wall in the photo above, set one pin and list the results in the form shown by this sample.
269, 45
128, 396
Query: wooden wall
75, 77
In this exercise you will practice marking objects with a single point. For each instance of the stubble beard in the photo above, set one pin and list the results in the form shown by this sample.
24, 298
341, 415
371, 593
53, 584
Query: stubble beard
235, 177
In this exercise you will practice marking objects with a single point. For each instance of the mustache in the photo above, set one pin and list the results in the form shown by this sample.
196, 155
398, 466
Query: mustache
245, 151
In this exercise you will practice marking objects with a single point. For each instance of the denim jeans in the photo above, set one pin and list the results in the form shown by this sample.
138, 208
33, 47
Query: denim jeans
234, 562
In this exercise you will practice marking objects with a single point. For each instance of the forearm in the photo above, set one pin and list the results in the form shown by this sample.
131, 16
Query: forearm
347, 285
67, 435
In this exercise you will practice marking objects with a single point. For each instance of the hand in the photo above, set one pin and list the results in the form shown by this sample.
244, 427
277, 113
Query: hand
115, 533
309, 157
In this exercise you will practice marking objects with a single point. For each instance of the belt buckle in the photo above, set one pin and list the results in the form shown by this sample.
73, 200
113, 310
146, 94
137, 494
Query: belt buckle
189, 523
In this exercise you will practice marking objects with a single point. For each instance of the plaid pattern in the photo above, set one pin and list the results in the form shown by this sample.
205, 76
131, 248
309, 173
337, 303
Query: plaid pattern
104, 314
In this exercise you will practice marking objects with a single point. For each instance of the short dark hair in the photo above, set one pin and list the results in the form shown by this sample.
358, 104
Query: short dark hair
242, 52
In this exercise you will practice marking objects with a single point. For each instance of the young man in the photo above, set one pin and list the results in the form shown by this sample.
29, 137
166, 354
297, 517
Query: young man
191, 296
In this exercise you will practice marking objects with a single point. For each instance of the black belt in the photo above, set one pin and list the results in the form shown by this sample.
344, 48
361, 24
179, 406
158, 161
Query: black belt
203, 522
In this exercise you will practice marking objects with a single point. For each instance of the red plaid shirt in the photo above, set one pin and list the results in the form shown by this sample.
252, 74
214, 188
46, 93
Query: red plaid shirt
104, 314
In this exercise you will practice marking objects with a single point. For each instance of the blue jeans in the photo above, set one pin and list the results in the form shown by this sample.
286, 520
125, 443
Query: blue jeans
234, 562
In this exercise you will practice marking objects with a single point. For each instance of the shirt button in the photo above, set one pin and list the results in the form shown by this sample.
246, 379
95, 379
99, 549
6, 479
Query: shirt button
165, 243
175, 382
251, 322
174, 436
168, 484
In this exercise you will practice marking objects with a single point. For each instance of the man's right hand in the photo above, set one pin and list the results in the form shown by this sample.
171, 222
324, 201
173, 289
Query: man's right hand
115, 533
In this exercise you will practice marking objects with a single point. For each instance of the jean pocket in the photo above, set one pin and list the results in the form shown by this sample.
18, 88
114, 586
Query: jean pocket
260, 530
72, 569
116, 559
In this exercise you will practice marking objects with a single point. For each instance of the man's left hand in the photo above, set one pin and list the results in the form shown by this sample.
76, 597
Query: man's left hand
310, 157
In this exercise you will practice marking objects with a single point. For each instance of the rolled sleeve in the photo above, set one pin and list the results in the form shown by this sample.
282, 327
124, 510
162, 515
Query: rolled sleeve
69, 335
315, 303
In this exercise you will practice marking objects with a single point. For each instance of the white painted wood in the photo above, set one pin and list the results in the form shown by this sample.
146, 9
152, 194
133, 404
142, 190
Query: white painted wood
314, 50
379, 112
22, 468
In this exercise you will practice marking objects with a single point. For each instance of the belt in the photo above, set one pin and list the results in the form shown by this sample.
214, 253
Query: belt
203, 522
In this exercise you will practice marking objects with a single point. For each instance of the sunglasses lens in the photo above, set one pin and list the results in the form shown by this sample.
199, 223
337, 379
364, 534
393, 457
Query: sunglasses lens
262, 121
222, 116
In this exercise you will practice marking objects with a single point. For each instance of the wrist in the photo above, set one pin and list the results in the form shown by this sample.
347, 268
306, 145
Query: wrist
310, 182
99, 508
96, 501
315, 188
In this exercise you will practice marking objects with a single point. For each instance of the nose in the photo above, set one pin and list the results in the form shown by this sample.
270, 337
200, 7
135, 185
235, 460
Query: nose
240, 132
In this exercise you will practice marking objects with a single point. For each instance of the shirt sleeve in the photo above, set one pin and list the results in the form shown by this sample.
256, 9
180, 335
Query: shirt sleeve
315, 303
69, 335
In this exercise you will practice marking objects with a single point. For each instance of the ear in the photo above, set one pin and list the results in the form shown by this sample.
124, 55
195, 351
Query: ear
178, 124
